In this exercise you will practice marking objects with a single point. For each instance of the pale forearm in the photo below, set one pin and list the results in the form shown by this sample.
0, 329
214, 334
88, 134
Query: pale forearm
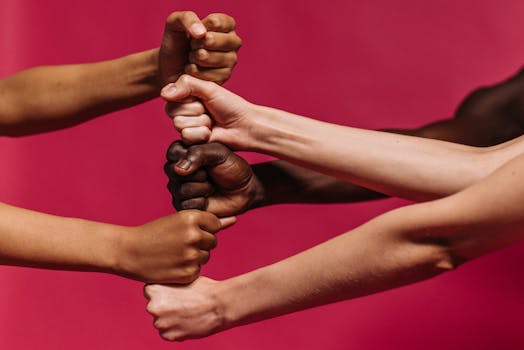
403, 246
29, 238
365, 261
399, 165
54, 97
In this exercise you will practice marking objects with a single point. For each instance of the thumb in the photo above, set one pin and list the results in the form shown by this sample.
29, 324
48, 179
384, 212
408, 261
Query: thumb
199, 156
227, 221
188, 86
187, 22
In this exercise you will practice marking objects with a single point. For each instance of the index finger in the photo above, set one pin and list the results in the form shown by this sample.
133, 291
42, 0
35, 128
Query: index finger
209, 222
219, 22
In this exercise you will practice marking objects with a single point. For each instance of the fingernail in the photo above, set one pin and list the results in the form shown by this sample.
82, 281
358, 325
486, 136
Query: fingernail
183, 164
198, 29
169, 90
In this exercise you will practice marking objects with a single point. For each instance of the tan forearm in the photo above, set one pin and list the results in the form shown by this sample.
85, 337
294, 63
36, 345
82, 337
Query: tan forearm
29, 238
54, 97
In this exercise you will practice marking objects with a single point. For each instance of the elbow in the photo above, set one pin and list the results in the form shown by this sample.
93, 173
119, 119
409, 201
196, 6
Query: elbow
440, 256
446, 260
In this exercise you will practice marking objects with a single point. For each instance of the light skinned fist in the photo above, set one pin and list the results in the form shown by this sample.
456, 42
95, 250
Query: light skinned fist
222, 116
185, 312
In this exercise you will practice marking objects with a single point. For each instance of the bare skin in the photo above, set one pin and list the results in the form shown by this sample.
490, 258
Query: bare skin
490, 115
54, 97
413, 243
170, 249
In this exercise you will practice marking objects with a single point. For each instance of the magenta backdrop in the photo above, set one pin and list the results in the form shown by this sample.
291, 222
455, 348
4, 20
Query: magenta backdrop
364, 63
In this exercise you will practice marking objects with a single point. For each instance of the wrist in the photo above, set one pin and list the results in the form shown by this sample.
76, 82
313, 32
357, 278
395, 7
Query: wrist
225, 294
277, 133
115, 261
100, 251
239, 299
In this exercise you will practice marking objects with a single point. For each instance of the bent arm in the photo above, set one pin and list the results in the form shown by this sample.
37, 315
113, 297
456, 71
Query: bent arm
403, 246
55, 97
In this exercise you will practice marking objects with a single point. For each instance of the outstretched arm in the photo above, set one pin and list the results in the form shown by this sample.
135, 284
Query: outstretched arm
488, 116
399, 165
168, 250
54, 97
403, 246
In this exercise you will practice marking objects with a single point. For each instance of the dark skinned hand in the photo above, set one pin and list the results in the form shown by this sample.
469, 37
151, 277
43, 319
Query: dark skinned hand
211, 177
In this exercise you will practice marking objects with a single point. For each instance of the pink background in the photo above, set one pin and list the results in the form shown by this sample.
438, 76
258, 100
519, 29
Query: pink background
364, 63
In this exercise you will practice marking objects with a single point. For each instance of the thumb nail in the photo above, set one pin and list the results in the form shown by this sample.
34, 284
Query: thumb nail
197, 29
183, 164
169, 90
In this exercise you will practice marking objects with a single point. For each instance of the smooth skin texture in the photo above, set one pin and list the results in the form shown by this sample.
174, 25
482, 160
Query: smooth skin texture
403, 246
55, 97
170, 249
400, 165
415, 242
487, 116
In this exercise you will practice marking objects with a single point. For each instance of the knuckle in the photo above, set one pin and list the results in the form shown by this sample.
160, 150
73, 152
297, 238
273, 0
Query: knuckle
187, 15
210, 39
214, 243
169, 336
152, 308
215, 20
173, 17
191, 217
185, 191
192, 256
151, 289
192, 237
201, 56
195, 153
159, 324
194, 203
191, 272
185, 79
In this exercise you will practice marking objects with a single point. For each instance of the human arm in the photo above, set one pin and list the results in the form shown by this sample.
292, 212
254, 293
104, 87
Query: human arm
403, 246
170, 249
54, 97
400, 165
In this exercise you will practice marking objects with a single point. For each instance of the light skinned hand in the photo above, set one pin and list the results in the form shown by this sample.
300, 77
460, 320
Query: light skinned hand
184, 312
221, 117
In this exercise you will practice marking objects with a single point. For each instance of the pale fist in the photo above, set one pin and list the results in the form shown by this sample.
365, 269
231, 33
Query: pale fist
185, 312
219, 116
168, 250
